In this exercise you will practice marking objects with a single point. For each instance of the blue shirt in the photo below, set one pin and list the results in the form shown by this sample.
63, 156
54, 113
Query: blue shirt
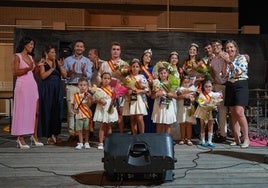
68, 65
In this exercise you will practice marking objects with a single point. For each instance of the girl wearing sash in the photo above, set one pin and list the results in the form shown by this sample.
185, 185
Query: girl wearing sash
146, 70
105, 112
165, 109
135, 100
81, 107
207, 102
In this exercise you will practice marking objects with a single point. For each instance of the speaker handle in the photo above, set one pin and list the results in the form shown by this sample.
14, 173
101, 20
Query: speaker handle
139, 148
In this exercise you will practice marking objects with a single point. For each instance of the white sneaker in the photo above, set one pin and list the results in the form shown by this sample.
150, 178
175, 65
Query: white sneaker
100, 146
79, 146
87, 146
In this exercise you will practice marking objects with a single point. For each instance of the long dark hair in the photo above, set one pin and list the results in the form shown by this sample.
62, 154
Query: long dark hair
24, 41
47, 49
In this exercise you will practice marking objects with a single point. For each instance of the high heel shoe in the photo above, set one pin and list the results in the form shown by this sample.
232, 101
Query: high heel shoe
56, 139
244, 145
22, 146
37, 143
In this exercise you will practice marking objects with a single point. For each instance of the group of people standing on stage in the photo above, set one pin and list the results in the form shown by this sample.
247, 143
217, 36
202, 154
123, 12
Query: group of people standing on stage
152, 96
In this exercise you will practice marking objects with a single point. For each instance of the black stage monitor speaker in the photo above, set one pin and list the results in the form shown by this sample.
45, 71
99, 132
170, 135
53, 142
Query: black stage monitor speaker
143, 156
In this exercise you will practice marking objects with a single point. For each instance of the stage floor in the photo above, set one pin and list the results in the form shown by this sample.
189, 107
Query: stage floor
62, 166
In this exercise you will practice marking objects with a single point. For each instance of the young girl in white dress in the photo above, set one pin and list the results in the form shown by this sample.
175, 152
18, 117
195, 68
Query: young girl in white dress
186, 97
105, 112
164, 110
135, 100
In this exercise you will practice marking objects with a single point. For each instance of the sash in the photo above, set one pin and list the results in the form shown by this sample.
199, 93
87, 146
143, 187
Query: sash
148, 74
107, 91
206, 95
165, 87
84, 110
137, 84
111, 65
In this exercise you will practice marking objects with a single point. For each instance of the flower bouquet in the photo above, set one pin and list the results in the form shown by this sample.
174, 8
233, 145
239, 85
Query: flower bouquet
163, 88
204, 70
134, 84
121, 70
97, 92
165, 64
174, 82
186, 90
119, 89
214, 100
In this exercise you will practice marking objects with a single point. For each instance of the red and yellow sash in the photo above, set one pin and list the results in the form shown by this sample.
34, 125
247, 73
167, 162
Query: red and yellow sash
84, 110
107, 91
137, 84
148, 74
111, 65
206, 95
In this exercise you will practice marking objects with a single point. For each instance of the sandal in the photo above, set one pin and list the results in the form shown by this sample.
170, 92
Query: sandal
50, 141
181, 142
56, 139
189, 143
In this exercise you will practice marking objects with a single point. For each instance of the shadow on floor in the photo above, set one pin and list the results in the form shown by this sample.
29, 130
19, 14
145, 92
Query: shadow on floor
99, 178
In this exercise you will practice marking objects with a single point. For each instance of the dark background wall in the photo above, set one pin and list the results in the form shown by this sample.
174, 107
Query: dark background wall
161, 43
251, 13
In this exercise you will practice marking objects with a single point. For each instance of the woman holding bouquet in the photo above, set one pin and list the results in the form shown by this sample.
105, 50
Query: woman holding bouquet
165, 109
207, 102
135, 100
193, 66
105, 111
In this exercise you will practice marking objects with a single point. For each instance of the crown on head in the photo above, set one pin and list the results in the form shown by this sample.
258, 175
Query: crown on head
148, 51
194, 44
174, 53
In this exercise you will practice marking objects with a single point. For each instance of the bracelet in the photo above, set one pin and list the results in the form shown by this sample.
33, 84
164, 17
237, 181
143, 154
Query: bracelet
52, 69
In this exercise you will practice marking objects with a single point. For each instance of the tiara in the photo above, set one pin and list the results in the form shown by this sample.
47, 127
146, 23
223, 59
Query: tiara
194, 44
174, 53
148, 51
135, 60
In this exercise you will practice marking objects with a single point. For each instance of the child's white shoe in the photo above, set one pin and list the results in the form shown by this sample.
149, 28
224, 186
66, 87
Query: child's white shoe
100, 146
79, 146
87, 146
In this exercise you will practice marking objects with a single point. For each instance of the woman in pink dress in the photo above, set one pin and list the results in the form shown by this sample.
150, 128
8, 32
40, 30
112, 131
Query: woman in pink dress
26, 96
